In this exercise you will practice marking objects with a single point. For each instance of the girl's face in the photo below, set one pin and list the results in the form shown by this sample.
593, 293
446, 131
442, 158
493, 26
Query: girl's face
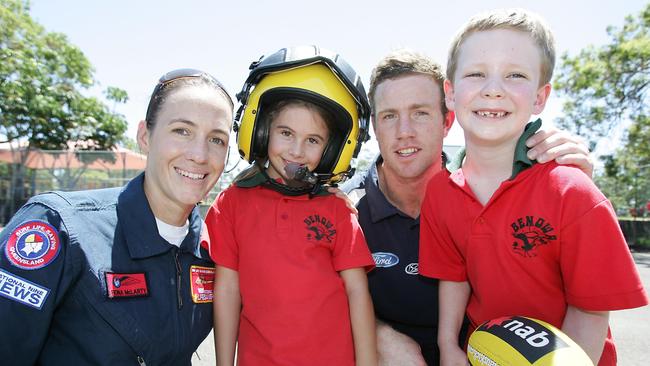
297, 135
186, 150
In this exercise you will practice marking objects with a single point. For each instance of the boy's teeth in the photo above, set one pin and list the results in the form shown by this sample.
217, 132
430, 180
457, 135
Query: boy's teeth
190, 175
491, 114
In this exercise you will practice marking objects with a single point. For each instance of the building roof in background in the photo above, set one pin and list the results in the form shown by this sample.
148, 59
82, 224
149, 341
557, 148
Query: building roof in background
117, 159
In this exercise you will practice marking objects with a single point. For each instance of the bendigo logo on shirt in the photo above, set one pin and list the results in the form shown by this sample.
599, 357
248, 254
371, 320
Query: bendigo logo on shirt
319, 228
530, 233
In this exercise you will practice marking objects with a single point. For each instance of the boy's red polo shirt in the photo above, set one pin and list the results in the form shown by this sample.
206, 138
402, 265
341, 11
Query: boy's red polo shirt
547, 238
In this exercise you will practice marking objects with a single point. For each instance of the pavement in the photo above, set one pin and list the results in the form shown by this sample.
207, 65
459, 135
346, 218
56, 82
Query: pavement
630, 328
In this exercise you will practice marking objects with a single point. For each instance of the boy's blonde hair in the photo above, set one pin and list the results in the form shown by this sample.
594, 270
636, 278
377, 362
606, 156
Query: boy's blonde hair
515, 19
403, 62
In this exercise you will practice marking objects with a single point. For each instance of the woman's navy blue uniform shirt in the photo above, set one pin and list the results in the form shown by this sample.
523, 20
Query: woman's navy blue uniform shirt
85, 279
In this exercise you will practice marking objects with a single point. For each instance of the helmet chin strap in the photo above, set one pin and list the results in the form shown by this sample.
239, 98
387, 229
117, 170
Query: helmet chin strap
294, 188
301, 180
301, 173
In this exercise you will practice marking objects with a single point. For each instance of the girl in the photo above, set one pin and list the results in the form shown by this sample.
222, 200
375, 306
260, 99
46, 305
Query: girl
291, 259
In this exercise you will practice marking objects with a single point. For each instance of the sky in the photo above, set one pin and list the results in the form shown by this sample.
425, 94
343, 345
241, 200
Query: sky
131, 43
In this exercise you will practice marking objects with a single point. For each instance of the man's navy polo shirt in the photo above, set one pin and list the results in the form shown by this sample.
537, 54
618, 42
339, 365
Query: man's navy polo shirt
401, 297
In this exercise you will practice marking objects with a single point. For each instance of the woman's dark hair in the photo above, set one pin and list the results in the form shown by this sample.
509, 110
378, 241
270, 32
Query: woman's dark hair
177, 79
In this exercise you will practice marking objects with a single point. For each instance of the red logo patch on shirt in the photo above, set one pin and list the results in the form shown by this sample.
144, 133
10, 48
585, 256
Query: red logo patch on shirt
530, 233
202, 284
319, 228
33, 245
126, 285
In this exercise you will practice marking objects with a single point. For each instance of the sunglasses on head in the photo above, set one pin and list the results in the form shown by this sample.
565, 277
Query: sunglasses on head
178, 74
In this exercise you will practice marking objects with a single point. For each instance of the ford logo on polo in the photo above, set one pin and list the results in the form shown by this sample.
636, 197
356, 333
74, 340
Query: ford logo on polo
385, 260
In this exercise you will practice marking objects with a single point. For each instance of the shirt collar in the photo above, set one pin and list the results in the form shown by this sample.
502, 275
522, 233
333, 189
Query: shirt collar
520, 162
139, 224
379, 206
456, 161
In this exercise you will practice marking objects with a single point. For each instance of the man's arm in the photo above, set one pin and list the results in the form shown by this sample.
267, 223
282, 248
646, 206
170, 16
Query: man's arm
397, 349
567, 149
588, 329
453, 297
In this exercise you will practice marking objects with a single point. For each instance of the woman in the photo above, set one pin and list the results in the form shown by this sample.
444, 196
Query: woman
122, 276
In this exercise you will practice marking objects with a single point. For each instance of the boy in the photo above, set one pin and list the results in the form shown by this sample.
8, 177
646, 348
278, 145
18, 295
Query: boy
516, 238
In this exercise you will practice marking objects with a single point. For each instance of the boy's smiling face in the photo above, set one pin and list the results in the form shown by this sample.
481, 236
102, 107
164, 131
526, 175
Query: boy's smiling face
496, 86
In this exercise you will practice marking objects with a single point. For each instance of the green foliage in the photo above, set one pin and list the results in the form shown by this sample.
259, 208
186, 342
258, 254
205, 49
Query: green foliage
643, 242
116, 94
42, 77
605, 85
606, 88
130, 144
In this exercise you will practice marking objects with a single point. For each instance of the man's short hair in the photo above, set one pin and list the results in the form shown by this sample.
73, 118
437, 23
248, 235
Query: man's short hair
515, 19
404, 62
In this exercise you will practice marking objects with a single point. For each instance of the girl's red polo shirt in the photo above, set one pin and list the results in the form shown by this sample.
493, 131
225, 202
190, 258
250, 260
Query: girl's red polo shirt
288, 251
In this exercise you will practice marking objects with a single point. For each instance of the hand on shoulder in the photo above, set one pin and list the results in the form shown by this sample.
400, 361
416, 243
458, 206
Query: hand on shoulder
563, 147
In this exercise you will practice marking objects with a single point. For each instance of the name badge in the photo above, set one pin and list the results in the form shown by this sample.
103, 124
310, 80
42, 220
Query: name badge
126, 285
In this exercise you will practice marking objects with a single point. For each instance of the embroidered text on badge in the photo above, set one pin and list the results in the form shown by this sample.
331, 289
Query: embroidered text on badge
32, 245
126, 285
202, 283
19, 289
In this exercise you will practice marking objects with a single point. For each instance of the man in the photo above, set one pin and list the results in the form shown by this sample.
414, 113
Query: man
410, 120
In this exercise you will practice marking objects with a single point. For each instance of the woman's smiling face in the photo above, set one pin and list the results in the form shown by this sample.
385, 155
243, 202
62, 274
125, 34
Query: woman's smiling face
186, 148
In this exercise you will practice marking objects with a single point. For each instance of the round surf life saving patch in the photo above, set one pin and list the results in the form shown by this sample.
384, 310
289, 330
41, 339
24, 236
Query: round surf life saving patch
33, 245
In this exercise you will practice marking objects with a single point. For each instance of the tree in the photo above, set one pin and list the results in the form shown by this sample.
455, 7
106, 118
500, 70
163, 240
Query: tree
606, 88
42, 105
605, 85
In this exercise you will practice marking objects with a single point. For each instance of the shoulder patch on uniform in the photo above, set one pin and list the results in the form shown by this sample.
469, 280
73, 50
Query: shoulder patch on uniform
33, 245
202, 284
22, 291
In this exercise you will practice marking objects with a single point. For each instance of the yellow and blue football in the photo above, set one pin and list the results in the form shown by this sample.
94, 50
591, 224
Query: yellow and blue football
522, 341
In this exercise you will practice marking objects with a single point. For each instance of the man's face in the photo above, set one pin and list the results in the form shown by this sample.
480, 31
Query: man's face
409, 125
